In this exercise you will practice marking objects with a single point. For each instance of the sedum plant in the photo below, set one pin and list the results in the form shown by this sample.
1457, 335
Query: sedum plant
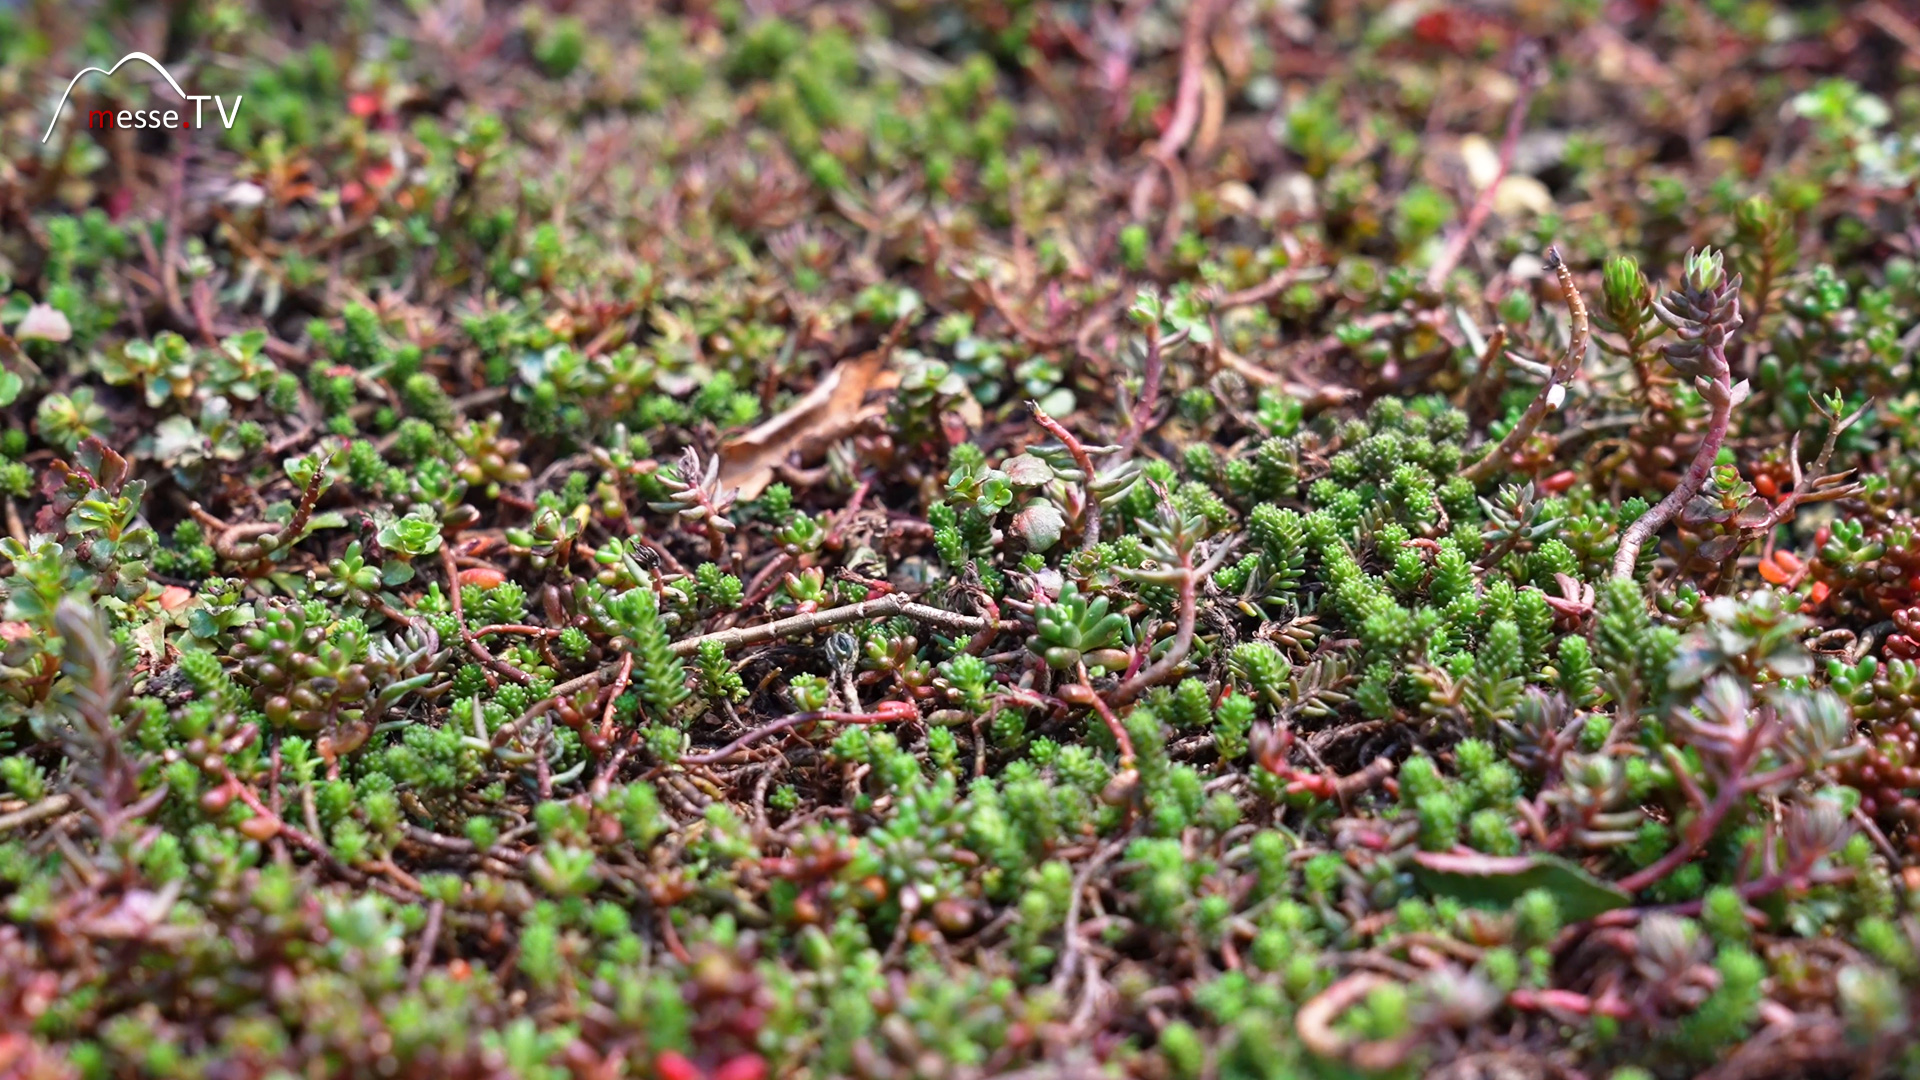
1006, 539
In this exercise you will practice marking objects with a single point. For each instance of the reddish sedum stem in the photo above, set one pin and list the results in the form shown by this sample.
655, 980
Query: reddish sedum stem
1090, 533
1703, 314
1695, 478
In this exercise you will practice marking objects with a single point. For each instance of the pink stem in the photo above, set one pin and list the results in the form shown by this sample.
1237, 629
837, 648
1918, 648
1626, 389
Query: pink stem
1656, 519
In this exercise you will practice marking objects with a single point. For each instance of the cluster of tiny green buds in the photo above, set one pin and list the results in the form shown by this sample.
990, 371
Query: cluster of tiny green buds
1264, 670
810, 693
718, 680
1624, 294
1073, 628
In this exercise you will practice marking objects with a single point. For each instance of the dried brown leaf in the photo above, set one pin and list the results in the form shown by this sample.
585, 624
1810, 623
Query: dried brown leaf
832, 409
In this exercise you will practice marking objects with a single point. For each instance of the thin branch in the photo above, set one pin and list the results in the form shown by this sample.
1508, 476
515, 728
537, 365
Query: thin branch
423, 957
1352, 784
1038, 340
51, 806
574, 685
1090, 534
1186, 109
1558, 377
1894, 25
1735, 786
1315, 1025
239, 544
517, 628
1164, 668
1268, 289
1083, 693
878, 608
281, 827
1070, 946
1155, 371
886, 712
1816, 484
1490, 362
1568, 1001
1532, 76
613, 699
1751, 890
472, 640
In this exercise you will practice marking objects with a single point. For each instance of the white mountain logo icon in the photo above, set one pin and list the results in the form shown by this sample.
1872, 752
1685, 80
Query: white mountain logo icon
164, 119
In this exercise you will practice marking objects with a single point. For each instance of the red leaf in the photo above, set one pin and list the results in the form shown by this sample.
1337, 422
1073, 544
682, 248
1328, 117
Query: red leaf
669, 1065
744, 1067
486, 577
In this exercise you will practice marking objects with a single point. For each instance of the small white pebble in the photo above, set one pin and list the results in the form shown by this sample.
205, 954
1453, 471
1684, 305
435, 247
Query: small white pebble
246, 195
1526, 266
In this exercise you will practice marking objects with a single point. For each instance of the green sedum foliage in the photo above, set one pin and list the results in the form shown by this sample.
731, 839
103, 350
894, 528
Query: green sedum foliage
711, 542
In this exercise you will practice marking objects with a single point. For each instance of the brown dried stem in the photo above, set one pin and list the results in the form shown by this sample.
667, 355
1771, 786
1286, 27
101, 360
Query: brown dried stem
1268, 289
886, 712
1169, 663
613, 698
878, 608
1737, 783
1154, 373
472, 640
1090, 534
281, 827
423, 957
1532, 76
1316, 1018
1490, 360
1558, 377
1186, 110
241, 543
1816, 484
1084, 692
49, 807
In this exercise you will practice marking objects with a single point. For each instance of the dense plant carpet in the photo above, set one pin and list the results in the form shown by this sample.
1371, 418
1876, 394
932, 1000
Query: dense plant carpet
884, 540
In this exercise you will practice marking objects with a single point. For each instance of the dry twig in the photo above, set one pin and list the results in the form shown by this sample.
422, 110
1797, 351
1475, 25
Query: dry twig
1532, 75
1559, 377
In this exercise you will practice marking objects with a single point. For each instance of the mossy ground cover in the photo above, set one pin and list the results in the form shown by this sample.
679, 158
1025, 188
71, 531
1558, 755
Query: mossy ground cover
893, 539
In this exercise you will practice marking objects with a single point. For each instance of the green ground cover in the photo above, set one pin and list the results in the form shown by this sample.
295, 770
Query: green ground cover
1124, 539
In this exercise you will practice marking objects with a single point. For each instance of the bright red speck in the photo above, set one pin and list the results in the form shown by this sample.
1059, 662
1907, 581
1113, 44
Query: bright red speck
668, 1065
744, 1067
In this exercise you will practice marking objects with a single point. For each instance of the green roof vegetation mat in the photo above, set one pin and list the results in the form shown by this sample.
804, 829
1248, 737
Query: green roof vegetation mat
1097, 540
